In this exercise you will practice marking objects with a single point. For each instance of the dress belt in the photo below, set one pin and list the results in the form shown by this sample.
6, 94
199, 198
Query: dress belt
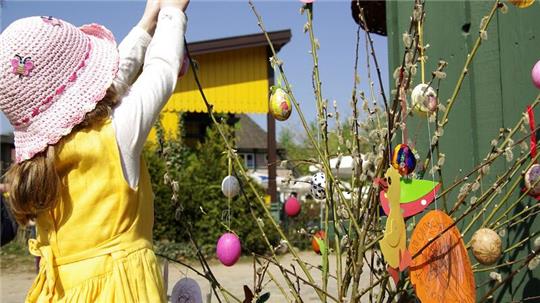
49, 261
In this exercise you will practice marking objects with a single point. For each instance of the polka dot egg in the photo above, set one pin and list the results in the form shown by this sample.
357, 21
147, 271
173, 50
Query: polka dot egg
318, 186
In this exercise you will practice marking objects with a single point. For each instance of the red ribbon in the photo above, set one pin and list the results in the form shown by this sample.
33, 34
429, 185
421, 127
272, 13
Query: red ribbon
532, 126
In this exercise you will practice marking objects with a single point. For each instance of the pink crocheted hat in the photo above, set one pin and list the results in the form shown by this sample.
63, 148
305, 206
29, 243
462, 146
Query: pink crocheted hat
52, 73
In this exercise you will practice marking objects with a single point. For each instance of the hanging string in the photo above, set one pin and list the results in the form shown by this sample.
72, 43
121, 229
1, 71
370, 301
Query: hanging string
404, 133
431, 163
421, 50
229, 159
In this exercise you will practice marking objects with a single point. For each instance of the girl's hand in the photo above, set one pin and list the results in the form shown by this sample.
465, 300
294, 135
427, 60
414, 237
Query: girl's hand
149, 19
181, 4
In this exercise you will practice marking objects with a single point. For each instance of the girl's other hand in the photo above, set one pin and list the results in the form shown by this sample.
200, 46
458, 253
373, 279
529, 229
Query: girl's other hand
149, 19
181, 4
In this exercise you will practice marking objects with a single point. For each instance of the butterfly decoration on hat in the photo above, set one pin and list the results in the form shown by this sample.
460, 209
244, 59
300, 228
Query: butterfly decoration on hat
22, 66
51, 20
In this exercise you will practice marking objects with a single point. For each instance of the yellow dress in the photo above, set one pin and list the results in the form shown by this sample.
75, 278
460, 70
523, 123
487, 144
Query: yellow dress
96, 244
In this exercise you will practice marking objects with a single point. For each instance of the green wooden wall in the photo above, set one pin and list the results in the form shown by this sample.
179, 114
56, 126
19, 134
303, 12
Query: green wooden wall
493, 95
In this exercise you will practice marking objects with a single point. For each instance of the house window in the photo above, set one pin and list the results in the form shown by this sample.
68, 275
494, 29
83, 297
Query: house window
249, 160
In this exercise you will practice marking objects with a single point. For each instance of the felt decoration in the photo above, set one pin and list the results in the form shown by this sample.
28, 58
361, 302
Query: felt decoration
280, 105
521, 3
317, 242
486, 246
186, 290
415, 196
318, 186
404, 159
535, 74
424, 99
442, 271
230, 186
394, 243
292, 207
228, 249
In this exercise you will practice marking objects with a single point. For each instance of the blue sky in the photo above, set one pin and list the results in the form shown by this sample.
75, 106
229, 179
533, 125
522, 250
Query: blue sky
333, 25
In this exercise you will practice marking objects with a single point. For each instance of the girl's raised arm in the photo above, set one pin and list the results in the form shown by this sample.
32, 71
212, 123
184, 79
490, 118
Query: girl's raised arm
132, 49
140, 107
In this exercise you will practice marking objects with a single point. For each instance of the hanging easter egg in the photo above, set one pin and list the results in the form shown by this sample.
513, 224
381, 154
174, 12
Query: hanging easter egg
292, 207
424, 99
532, 180
486, 246
521, 3
404, 159
228, 249
186, 290
280, 105
185, 66
317, 241
318, 186
535, 74
230, 186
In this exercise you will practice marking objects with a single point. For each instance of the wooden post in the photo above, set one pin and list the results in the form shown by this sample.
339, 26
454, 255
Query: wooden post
271, 144
272, 158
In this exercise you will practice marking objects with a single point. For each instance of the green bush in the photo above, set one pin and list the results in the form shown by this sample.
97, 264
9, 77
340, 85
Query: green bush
199, 173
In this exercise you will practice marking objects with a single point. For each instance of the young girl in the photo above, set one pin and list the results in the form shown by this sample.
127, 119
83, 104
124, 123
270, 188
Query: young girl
80, 120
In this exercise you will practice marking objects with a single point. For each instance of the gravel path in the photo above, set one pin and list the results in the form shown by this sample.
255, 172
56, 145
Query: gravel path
14, 281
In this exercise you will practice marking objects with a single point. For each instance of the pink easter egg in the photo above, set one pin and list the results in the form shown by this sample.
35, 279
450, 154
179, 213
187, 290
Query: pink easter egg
536, 74
307, 1
228, 249
292, 207
185, 67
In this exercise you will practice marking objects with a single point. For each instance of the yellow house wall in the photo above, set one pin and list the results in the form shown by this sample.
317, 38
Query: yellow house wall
234, 82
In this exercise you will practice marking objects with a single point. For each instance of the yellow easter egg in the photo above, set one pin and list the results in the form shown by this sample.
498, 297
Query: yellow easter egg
521, 3
280, 105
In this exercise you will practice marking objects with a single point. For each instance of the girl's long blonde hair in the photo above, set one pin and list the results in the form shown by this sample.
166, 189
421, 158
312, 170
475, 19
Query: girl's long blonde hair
34, 184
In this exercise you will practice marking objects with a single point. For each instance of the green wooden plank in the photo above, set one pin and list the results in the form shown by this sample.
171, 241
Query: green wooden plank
494, 94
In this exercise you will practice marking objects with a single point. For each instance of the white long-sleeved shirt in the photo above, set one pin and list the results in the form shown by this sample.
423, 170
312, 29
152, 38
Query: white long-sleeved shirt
143, 97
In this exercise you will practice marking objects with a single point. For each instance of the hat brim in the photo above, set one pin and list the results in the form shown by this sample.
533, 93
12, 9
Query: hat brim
78, 99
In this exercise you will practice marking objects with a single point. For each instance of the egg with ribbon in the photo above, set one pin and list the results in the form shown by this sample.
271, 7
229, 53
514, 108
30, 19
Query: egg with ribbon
228, 249
280, 105
230, 186
404, 159
292, 207
318, 186
486, 246
424, 99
